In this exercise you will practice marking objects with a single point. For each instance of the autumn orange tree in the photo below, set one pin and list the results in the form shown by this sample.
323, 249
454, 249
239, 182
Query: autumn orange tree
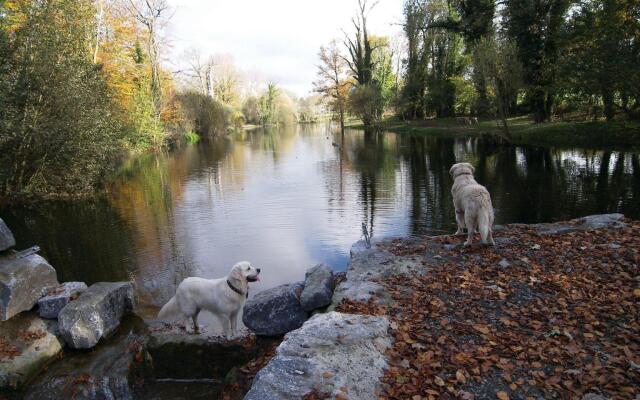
128, 47
333, 81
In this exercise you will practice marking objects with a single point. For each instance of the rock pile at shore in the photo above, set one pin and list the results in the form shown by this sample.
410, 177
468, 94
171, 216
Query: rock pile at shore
40, 316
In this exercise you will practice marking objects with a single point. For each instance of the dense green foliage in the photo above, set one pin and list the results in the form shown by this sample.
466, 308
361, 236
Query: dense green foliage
369, 62
59, 124
544, 58
204, 115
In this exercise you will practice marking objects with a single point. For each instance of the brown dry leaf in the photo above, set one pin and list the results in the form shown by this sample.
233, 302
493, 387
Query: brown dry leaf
328, 375
466, 395
438, 381
460, 376
502, 395
482, 328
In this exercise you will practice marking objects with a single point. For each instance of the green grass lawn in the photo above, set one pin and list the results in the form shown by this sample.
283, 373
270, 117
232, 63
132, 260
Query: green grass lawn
523, 130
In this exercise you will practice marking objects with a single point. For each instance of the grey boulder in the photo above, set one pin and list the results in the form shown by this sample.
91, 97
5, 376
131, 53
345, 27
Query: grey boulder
50, 305
6, 237
275, 311
23, 281
333, 353
318, 288
95, 314
29, 343
598, 221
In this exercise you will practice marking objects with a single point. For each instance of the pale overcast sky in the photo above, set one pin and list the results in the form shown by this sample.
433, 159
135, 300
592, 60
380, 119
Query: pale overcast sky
278, 38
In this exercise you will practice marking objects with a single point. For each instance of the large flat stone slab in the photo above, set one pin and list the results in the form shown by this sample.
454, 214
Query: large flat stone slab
334, 354
27, 344
50, 305
275, 311
367, 267
176, 354
7, 240
23, 281
96, 313
597, 221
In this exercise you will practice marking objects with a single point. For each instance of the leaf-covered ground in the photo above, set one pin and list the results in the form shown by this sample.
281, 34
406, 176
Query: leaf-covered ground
538, 317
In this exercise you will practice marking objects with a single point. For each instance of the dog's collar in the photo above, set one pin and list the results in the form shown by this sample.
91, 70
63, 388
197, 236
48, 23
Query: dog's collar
462, 173
235, 289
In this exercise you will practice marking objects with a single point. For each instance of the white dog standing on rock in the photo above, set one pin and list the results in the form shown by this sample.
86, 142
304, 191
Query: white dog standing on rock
472, 203
223, 297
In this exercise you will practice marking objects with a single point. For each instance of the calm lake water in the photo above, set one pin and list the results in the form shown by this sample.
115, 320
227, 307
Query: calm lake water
286, 199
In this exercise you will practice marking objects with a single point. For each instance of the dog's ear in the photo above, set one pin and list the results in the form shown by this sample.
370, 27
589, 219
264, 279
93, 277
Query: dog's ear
453, 167
236, 277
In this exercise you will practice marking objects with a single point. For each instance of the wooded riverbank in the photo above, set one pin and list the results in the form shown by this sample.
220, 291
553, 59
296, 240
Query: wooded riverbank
524, 131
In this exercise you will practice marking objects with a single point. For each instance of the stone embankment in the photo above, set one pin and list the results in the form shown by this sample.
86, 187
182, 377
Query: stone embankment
386, 328
40, 317
398, 318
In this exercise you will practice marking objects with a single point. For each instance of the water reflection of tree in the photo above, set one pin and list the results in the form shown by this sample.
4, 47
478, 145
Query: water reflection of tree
147, 195
533, 184
428, 160
276, 140
83, 240
374, 159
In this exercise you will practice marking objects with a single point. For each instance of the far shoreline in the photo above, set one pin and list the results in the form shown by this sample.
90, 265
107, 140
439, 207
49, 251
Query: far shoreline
599, 134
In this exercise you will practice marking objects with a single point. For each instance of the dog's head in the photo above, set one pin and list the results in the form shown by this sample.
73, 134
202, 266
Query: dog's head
461, 169
244, 272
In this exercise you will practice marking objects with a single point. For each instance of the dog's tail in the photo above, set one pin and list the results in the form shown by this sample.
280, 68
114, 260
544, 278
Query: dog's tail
169, 310
485, 222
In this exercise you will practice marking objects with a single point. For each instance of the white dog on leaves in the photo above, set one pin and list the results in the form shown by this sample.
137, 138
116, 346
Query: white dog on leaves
223, 297
472, 203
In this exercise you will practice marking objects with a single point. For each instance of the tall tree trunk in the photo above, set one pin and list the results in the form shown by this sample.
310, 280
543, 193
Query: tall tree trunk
538, 105
502, 105
607, 99
482, 103
99, 19
548, 106
342, 123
